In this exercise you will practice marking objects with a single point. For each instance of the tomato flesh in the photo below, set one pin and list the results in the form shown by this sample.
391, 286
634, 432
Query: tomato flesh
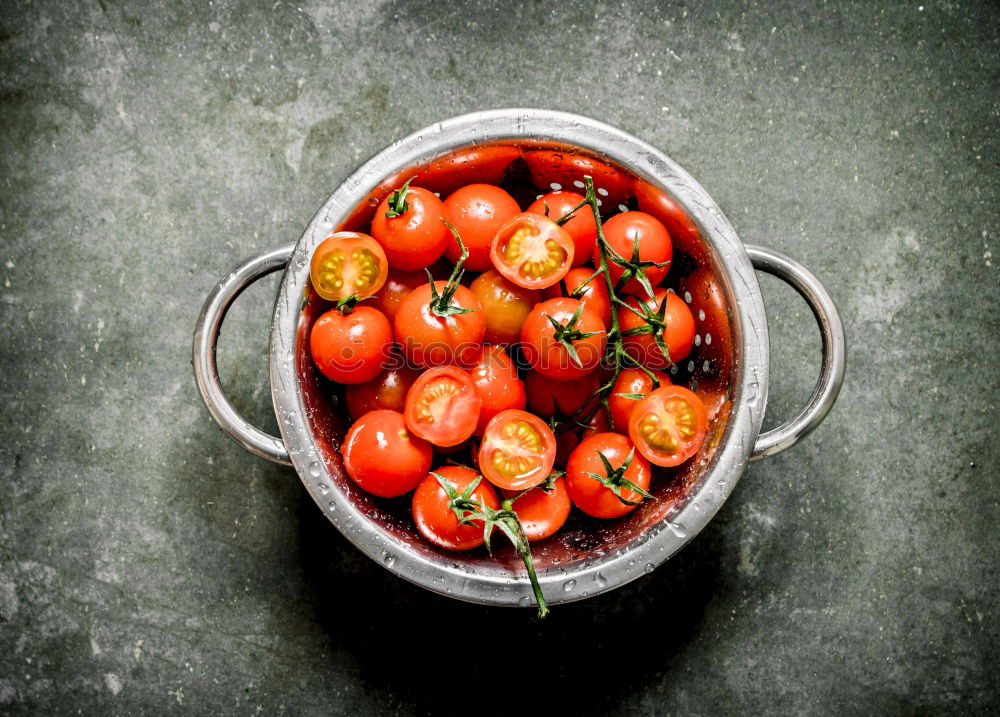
668, 426
347, 263
532, 251
442, 406
517, 451
581, 228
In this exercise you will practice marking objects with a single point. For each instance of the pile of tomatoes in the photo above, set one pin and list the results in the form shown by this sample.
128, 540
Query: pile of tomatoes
497, 346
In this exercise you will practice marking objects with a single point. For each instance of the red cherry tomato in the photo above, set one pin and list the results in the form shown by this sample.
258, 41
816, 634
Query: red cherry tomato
347, 263
668, 426
594, 294
678, 334
634, 382
442, 406
555, 169
434, 517
398, 284
549, 398
582, 228
518, 450
417, 236
496, 380
622, 231
477, 211
591, 495
542, 512
545, 353
532, 251
431, 340
505, 306
382, 457
353, 348
386, 391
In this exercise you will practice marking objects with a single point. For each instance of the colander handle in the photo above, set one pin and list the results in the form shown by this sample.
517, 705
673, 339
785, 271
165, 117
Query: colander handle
206, 338
831, 375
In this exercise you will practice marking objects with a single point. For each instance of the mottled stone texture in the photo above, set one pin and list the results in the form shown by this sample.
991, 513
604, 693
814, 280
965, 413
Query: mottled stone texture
148, 565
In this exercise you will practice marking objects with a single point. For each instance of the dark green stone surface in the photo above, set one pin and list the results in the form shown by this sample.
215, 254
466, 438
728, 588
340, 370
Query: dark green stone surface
148, 565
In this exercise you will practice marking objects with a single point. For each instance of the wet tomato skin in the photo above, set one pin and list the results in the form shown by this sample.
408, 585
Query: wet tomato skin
347, 263
668, 426
442, 406
477, 211
591, 496
351, 349
550, 357
594, 294
542, 513
437, 522
386, 391
429, 340
505, 306
416, 238
518, 450
633, 381
382, 457
532, 251
621, 232
678, 335
398, 284
495, 377
550, 398
582, 228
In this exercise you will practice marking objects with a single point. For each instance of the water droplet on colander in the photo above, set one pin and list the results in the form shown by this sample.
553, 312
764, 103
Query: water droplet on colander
569, 585
332, 506
631, 563
649, 568
323, 488
389, 559
524, 600
314, 469
677, 529
602, 582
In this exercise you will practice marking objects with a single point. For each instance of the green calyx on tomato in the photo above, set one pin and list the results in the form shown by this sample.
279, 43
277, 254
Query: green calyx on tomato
397, 202
441, 304
467, 509
614, 478
633, 268
567, 333
654, 322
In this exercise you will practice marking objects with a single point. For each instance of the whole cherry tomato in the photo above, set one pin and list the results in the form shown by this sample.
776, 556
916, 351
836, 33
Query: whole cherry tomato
593, 487
582, 228
532, 251
563, 340
433, 514
632, 386
386, 391
347, 263
383, 457
409, 224
622, 231
555, 169
351, 348
505, 306
430, 336
542, 510
442, 406
517, 451
477, 211
677, 331
668, 426
583, 285
549, 398
496, 380
398, 284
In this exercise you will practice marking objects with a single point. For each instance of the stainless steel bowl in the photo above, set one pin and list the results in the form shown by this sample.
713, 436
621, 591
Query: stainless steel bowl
576, 563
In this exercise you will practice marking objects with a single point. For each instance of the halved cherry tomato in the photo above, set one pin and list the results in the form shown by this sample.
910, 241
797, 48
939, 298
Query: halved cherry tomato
431, 340
517, 451
545, 347
549, 398
594, 293
622, 231
351, 348
505, 306
532, 251
386, 391
496, 380
434, 516
382, 457
417, 236
678, 332
591, 495
442, 406
347, 263
582, 228
542, 512
668, 426
477, 211
635, 383
555, 169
